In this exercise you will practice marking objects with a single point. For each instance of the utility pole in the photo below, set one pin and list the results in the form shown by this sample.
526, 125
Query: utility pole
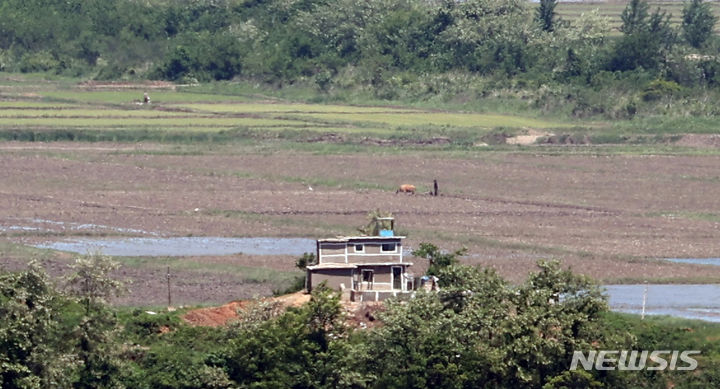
168, 287
645, 293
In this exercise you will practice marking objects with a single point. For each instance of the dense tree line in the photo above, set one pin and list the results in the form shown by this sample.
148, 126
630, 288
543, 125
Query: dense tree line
477, 331
368, 43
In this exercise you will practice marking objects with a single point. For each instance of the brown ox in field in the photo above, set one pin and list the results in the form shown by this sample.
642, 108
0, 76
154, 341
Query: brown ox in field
405, 188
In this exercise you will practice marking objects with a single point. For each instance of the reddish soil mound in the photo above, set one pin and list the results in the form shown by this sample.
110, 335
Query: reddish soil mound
293, 299
214, 316
218, 316
359, 315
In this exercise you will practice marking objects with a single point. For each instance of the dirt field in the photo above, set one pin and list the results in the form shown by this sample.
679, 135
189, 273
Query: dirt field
608, 216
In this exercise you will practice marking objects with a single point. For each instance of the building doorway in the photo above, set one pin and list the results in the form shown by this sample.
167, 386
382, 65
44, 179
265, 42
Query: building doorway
397, 277
368, 277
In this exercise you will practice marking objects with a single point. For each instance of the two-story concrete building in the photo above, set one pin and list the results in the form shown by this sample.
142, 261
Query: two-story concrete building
363, 268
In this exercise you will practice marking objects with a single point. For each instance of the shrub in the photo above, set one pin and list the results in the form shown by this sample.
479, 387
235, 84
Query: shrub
659, 89
39, 61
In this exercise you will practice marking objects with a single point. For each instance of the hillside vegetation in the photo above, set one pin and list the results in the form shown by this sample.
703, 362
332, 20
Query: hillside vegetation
479, 331
481, 55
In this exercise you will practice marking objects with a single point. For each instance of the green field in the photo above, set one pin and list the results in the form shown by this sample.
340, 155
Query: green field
62, 110
60, 106
274, 107
612, 10
439, 119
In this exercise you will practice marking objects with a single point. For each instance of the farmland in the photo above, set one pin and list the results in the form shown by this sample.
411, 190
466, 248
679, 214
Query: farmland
104, 115
203, 146
606, 211
68, 111
612, 9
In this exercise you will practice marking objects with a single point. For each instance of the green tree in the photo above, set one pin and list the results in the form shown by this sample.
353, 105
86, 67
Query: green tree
307, 259
302, 348
485, 35
557, 313
437, 258
634, 17
546, 14
576, 47
34, 352
91, 282
479, 331
698, 22
647, 39
95, 335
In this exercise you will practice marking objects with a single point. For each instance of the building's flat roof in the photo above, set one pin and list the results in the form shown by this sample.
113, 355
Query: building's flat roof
340, 265
333, 265
384, 264
343, 239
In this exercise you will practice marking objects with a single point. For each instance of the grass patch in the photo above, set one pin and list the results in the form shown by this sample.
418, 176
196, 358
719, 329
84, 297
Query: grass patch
13, 104
99, 112
669, 333
662, 125
439, 119
133, 95
246, 273
289, 108
60, 110
9, 249
145, 122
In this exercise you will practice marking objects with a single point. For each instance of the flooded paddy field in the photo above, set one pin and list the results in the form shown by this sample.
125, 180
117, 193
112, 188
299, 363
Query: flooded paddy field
696, 261
695, 301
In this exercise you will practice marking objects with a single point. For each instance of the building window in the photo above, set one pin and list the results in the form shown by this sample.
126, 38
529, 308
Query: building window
359, 248
389, 247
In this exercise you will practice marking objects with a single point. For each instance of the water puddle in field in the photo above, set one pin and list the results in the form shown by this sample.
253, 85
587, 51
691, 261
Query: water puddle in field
696, 261
185, 246
696, 301
53, 226
18, 228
